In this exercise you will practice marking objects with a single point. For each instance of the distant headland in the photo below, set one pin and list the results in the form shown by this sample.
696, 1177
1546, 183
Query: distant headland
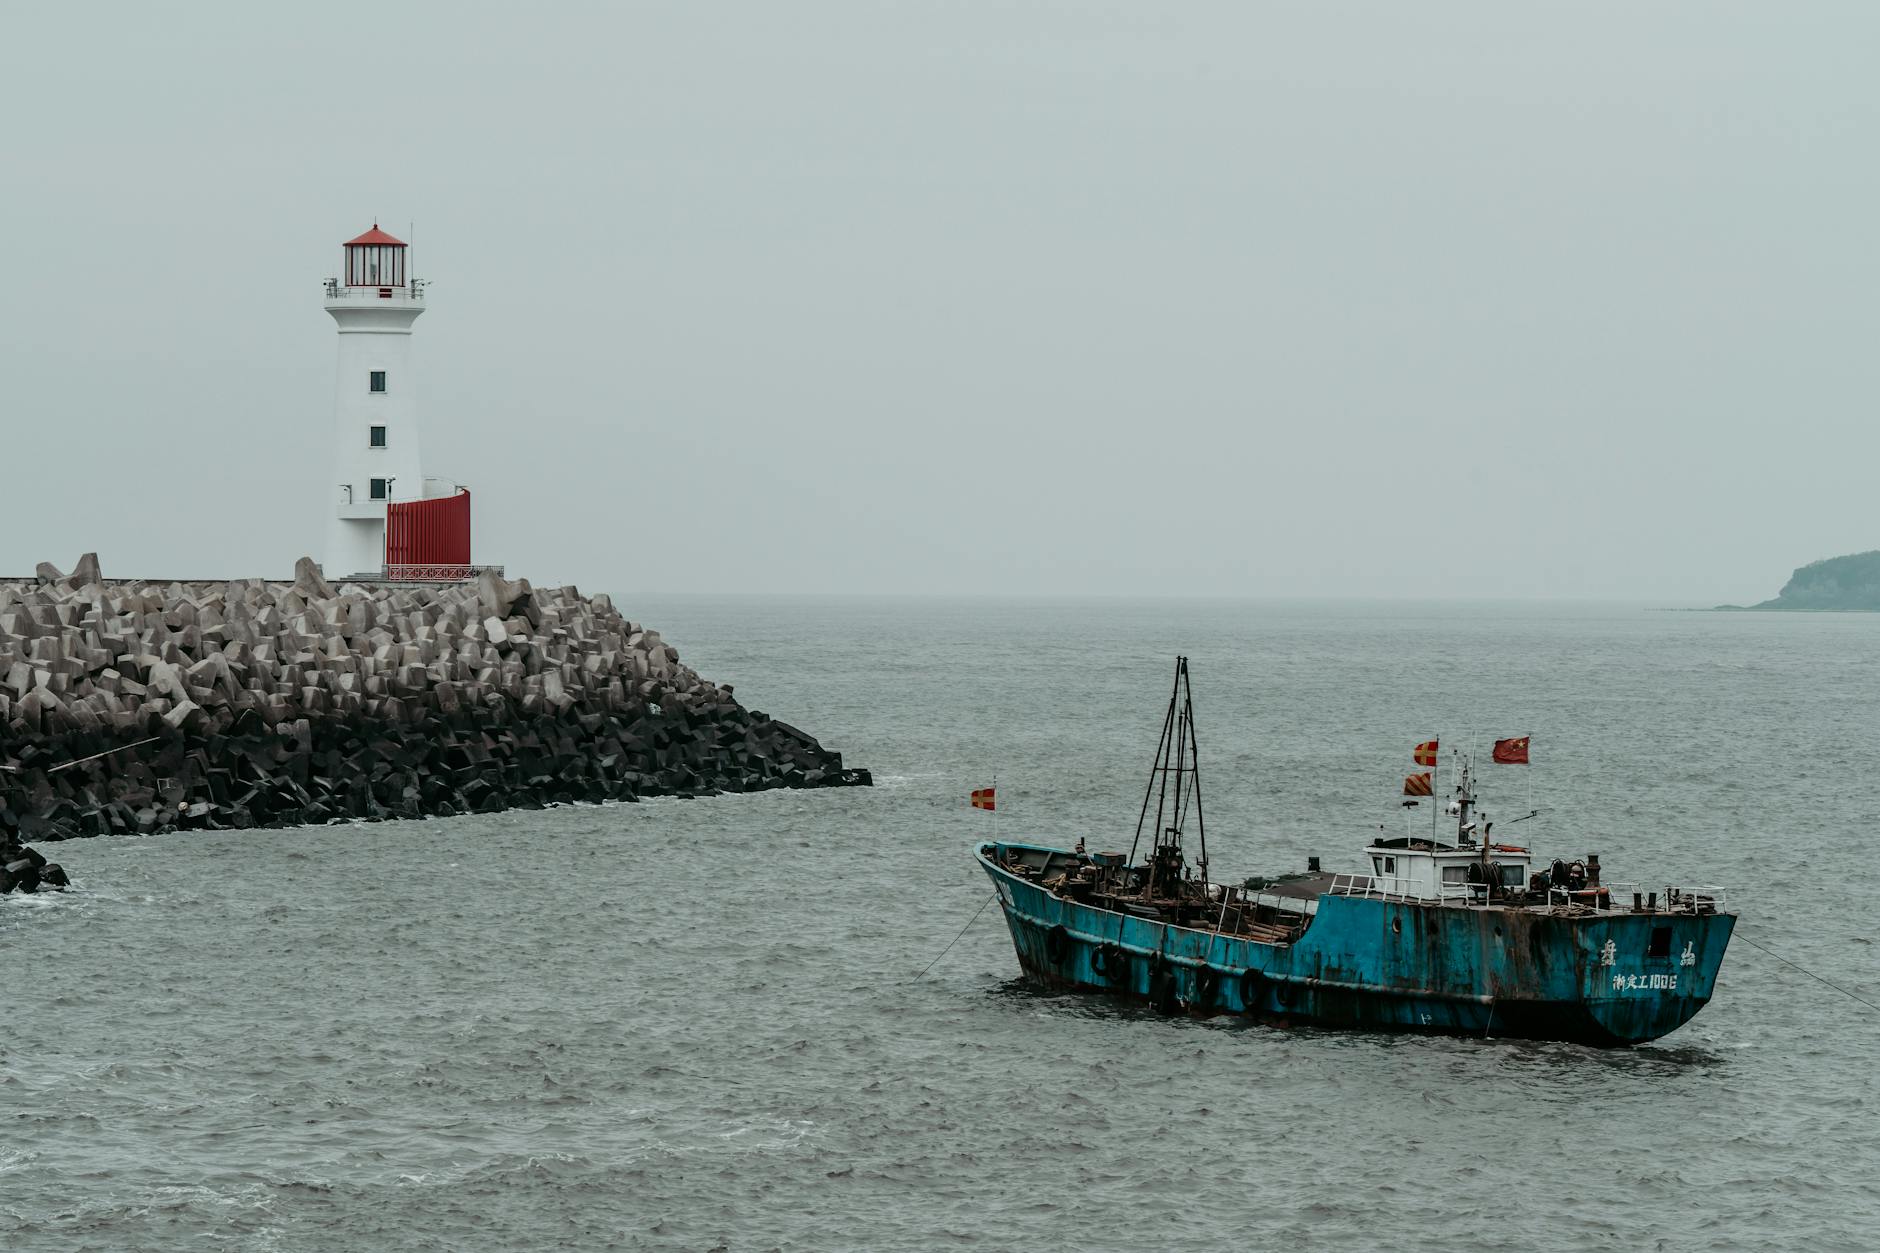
1832, 585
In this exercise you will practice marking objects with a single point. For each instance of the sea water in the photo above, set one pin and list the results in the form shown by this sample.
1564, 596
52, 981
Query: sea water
698, 1024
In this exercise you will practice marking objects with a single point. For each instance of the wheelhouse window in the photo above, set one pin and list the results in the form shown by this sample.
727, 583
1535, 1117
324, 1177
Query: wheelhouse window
381, 489
378, 381
376, 438
1455, 874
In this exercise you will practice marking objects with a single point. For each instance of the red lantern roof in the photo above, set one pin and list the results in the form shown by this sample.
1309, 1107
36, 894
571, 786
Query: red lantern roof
375, 236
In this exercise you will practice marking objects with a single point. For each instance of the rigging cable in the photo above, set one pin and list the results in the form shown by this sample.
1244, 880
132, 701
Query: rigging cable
1811, 974
956, 939
1154, 770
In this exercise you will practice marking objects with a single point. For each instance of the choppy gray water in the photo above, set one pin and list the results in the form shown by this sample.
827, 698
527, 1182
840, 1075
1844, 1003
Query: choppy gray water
692, 1024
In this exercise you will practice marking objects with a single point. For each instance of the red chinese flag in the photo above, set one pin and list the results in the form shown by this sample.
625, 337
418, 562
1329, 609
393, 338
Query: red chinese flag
1511, 752
983, 799
1418, 784
1425, 754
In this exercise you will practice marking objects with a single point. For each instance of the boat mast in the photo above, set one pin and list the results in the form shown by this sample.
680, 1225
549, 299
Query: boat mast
1465, 798
1176, 755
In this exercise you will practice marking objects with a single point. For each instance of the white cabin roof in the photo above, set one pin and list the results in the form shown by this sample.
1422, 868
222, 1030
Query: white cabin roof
1430, 870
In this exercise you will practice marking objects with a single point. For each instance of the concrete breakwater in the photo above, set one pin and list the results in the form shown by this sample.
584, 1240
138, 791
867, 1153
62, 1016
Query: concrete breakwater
133, 708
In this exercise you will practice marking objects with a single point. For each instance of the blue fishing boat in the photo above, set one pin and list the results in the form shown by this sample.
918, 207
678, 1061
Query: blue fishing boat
1450, 932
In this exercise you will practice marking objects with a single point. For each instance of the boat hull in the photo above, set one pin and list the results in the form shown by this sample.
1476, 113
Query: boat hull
1386, 964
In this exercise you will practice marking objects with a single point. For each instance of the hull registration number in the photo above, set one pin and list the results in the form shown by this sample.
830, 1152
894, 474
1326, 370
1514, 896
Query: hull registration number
1650, 983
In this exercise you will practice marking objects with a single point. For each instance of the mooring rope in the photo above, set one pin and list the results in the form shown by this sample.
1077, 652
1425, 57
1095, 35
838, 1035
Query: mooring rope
67, 765
1811, 974
956, 939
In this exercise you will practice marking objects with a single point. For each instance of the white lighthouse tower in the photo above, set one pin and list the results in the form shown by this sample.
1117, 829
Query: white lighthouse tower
375, 412
388, 519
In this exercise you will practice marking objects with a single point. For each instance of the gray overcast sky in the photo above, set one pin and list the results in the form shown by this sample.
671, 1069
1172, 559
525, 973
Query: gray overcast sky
1214, 299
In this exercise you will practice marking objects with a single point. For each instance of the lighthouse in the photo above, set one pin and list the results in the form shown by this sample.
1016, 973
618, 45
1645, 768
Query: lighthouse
388, 520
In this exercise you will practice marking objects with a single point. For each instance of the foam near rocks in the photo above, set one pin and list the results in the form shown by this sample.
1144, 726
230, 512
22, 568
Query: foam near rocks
128, 706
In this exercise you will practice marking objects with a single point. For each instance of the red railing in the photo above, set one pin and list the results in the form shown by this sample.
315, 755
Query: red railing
428, 533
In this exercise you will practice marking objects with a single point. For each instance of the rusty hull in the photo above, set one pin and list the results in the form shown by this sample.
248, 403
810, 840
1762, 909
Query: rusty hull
1387, 964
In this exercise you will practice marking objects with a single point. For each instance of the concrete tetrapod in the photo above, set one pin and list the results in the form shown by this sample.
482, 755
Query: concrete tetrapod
126, 706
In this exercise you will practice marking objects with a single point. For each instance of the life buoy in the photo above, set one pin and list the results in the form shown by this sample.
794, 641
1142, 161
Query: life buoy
1057, 945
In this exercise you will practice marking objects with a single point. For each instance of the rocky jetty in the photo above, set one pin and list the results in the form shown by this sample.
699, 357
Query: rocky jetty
129, 707
24, 869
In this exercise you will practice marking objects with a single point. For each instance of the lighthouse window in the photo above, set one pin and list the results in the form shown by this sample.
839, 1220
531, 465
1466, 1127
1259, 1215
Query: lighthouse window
377, 437
381, 488
378, 380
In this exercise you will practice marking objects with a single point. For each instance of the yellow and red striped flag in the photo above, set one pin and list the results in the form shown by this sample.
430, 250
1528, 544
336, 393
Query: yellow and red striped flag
1425, 753
1419, 784
984, 799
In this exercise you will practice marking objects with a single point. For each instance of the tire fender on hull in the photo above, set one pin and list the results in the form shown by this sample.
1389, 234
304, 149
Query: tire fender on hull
1057, 945
1252, 988
1164, 984
1111, 963
1207, 979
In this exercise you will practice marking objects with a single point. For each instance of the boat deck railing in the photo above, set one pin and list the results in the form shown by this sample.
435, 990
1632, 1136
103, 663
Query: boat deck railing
1278, 904
1632, 898
1398, 888
1606, 898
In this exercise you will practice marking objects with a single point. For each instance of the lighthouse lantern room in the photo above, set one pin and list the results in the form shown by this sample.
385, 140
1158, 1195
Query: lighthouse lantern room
389, 520
375, 259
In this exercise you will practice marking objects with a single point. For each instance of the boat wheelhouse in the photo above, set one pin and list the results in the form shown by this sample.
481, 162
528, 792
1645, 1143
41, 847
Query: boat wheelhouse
1431, 871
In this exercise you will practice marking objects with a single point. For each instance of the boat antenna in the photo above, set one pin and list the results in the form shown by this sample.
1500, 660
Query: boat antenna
1176, 755
1194, 767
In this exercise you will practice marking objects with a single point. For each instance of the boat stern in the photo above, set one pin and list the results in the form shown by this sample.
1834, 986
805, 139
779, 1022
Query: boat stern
1645, 975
